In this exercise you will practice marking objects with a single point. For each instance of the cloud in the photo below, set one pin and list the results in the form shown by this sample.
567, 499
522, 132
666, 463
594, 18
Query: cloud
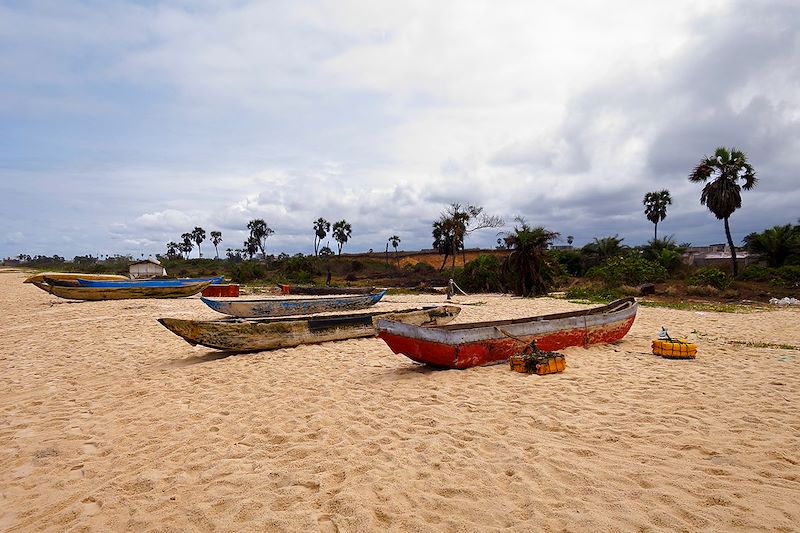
143, 120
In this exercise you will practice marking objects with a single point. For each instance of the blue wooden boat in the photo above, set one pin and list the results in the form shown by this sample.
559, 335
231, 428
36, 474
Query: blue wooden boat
141, 283
266, 307
122, 293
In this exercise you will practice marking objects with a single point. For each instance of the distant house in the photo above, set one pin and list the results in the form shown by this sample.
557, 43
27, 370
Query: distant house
148, 268
717, 255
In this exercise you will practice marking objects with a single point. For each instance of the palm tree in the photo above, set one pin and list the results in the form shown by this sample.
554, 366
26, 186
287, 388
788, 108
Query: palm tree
604, 248
394, 240
198, 236
216, 238
173, 249
321, 228
259, 231
186, 245
527, 264
341, 232
777, 244
722, 195
655, 207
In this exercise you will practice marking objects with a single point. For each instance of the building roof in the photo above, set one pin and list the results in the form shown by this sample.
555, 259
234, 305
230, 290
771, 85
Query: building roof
151, 260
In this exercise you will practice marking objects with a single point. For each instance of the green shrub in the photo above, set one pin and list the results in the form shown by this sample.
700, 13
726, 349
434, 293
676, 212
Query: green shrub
247, 271
713, 277
298, 269
482, 274
757, 273
630, 269
420, 268
570, 260
789, 273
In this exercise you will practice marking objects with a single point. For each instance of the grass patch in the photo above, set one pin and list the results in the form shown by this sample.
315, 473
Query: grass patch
697, 306
750, 344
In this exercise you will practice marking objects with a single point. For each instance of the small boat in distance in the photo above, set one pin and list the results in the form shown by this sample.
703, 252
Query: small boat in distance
66, 276
134, 283
291, 306
242, 335
121, 293
484, 343
312, 290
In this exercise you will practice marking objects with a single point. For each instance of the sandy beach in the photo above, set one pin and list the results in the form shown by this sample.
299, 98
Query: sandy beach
109, 422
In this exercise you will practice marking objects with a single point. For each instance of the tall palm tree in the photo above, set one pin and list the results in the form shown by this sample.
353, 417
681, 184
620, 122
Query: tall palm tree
655, 207
259, 231
394, 240
341, 233
527, 264
722, 195
321, 228
198, 236
216, 238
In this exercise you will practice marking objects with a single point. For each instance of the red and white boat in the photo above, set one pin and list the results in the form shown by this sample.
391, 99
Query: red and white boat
485, 343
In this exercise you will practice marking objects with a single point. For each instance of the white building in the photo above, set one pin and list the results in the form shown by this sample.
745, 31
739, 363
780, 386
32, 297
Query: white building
148, 268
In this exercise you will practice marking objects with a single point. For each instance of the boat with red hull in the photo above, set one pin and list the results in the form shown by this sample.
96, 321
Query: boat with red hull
485, 343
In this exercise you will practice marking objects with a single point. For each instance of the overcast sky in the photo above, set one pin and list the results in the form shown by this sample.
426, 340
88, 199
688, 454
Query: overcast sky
125, 124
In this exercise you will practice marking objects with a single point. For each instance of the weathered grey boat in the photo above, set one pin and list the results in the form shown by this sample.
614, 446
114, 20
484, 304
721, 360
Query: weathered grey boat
270, 307
243, 335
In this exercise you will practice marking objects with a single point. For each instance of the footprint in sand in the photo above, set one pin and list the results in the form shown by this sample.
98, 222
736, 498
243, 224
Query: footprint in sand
90, 448
327, 525
76, 472
91, 506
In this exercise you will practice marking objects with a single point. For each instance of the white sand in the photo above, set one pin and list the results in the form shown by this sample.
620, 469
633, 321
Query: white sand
110, 422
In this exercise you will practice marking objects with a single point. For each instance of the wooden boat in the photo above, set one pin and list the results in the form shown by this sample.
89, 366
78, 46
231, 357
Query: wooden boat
65, 276
248, 335
134, 283
291, 306
310, 290
483, 343
101, 293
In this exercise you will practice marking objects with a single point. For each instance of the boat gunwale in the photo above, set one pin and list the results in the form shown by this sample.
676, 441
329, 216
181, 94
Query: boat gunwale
613, 307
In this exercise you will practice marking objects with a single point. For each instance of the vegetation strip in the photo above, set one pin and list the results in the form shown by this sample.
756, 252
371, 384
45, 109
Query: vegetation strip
751, 344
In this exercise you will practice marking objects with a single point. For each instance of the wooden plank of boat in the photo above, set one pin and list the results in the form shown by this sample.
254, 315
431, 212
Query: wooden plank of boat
100, 293
134, 283
243, 335
322, 291
72, 276
291, 306
483, 343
